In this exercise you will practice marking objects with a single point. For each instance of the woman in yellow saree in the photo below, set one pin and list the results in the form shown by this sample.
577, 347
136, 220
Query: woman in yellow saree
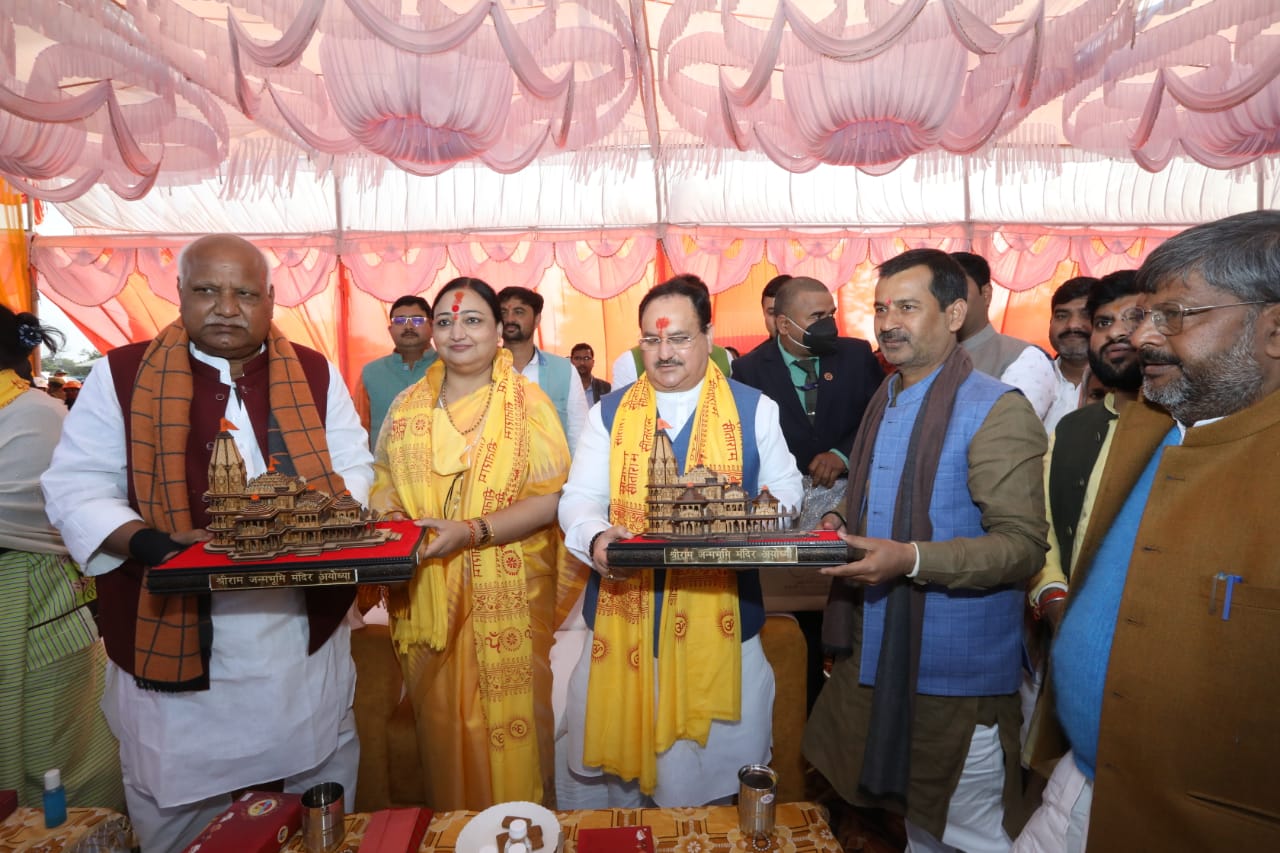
476, 454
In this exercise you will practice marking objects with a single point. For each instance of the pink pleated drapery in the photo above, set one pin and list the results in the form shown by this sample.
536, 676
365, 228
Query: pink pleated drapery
142, 95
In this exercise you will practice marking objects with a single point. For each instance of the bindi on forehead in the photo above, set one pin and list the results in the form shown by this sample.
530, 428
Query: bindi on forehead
663, 323
457, 301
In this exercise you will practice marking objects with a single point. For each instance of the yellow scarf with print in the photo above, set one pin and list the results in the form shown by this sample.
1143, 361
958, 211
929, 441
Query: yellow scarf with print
700, 650
11, 387
484, 471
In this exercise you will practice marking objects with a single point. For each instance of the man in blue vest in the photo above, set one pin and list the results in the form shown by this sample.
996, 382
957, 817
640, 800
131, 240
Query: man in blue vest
702, 413
921, 712
554, 374
384, 378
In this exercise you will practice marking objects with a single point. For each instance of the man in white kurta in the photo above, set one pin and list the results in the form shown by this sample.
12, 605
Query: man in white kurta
271, 711
688, 774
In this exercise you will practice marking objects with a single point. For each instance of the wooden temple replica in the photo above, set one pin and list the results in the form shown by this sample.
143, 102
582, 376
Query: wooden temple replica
702, 504
275, 514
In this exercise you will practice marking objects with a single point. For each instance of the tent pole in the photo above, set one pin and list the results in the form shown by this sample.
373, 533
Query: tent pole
968, 205
343, 300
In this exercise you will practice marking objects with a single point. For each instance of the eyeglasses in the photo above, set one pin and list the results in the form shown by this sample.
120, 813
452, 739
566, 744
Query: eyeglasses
1167, 316
415, 321
676, 342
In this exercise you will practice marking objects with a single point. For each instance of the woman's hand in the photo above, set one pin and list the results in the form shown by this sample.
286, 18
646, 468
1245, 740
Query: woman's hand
450, 537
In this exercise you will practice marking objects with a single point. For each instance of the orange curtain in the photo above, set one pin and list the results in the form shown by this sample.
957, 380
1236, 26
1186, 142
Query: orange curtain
335, 298
15, 279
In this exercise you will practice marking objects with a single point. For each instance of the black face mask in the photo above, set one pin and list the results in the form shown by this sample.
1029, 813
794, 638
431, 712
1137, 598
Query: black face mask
820, 337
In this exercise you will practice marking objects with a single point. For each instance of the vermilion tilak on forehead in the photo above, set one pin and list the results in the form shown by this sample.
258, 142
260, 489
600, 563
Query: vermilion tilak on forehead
457, 301
663, 322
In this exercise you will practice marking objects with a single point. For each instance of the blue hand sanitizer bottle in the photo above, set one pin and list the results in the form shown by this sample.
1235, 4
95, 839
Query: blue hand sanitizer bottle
55, 799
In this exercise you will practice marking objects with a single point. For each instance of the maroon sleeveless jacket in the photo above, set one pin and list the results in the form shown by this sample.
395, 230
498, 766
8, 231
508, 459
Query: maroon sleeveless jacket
118, 589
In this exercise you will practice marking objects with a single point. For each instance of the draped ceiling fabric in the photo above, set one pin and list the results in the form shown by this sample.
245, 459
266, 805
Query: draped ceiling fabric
591, 147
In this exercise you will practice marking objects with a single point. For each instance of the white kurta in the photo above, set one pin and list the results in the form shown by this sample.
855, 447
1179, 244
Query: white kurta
271, 710
584, 503
688, 775
1066, 398
1033, 374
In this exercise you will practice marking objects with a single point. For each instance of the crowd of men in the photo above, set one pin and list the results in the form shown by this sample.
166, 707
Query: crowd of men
983, 485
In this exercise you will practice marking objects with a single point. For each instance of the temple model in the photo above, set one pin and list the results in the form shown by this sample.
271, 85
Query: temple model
703, 504
275, 514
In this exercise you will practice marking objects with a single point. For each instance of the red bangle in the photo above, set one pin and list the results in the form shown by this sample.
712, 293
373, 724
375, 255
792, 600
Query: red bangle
1051, 594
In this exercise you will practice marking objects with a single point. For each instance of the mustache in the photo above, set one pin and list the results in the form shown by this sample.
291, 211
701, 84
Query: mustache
239, 324
1074, 335
894, 336
1155, 356
669, 362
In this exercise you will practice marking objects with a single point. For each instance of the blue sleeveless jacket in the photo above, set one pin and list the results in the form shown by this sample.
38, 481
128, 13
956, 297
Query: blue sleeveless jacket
972, 644
750, 598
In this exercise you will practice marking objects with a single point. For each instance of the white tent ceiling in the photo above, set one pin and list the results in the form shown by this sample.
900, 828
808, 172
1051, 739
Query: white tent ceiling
291, 116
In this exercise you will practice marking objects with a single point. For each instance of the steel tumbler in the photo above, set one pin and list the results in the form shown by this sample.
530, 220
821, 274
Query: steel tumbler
757, 795
323, 826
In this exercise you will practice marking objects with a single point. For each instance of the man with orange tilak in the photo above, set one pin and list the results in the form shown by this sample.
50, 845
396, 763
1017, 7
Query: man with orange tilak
672, 693
209, 694
946, 494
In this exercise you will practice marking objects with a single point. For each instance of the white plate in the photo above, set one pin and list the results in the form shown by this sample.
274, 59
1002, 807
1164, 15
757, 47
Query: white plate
484, 828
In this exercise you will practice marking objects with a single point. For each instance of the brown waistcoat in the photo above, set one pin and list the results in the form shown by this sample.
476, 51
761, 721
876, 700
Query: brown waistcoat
1189, 749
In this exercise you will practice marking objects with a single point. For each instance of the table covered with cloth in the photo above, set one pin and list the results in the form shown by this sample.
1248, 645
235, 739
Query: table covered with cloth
85, 831
801, 828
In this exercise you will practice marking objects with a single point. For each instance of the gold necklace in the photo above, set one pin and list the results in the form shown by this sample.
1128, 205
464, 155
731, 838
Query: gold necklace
484, 410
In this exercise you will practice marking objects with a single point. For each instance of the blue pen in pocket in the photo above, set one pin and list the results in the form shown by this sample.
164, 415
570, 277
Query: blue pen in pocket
1230, 581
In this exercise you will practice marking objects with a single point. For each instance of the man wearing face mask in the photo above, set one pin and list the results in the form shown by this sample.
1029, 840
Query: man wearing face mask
820, 381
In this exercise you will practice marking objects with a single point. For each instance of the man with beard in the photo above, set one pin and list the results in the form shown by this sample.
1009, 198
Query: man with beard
383, 378
1078, 449
1078, 446
1069, 331
1166, 661
554, 374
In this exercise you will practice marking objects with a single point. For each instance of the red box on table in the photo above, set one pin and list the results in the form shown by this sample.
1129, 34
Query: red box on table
396, 830
257, 822
8, 803
616, 839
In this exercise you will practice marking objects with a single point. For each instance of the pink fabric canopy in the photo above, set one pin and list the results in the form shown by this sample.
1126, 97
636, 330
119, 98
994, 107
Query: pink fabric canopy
141, 95
590, 147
